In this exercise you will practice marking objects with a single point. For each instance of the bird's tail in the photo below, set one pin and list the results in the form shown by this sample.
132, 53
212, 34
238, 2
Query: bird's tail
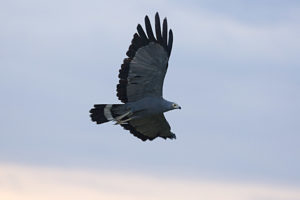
102, 113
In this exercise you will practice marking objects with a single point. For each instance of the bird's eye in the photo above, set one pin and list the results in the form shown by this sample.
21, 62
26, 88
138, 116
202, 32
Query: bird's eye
174, 105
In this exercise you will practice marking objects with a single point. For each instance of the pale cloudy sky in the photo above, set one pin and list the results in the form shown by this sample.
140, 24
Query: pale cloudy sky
234, 69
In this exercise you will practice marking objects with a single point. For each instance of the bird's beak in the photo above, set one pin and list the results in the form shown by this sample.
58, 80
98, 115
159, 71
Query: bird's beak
179, 107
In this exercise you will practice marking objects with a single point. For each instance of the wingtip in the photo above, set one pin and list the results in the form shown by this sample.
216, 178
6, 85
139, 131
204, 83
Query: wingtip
156, 14
173, 136
149, 29
170, 42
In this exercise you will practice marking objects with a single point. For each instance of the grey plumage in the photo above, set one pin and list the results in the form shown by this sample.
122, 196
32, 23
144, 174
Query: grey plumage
140, 86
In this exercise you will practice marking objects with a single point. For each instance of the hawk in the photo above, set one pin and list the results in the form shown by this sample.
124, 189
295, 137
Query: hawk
140, 86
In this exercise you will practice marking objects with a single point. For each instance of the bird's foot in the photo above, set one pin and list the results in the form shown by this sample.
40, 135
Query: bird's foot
122, 121
127, 114
119, 119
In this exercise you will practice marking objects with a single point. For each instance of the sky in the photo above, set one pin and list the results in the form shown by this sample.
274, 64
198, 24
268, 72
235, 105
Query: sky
234, 70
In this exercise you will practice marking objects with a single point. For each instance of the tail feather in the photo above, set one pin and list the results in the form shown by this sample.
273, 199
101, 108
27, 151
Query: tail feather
102, 113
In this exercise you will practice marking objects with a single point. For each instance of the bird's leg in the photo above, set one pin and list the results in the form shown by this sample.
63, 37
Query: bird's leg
119, 118
123, 121
124, 115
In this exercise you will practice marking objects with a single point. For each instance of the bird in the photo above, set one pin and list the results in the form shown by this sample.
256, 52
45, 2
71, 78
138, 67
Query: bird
140, 86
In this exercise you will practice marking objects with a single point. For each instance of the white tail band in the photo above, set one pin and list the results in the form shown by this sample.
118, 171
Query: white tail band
107, 112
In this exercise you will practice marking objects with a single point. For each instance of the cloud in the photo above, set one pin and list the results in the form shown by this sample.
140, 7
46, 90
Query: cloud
33, 183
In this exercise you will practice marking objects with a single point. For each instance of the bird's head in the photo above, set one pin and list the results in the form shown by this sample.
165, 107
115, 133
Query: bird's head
175, 106
168, 105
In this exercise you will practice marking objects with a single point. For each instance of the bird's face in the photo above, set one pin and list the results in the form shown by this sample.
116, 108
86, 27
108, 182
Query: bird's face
175, 106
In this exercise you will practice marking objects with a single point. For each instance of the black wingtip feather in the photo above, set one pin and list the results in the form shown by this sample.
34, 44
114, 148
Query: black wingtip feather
165, 33
158, 29
170, 43
149, 29
141, 32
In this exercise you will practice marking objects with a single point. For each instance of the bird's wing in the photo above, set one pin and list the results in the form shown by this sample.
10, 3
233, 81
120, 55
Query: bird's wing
148, 128
143, 72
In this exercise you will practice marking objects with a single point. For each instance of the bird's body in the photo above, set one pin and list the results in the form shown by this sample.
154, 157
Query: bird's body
140, 87
149, 106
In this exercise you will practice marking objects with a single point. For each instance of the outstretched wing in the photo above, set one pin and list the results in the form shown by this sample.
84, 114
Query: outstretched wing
142, 73
148, 128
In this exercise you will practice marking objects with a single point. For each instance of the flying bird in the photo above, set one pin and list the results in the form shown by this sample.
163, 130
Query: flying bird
140, 86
